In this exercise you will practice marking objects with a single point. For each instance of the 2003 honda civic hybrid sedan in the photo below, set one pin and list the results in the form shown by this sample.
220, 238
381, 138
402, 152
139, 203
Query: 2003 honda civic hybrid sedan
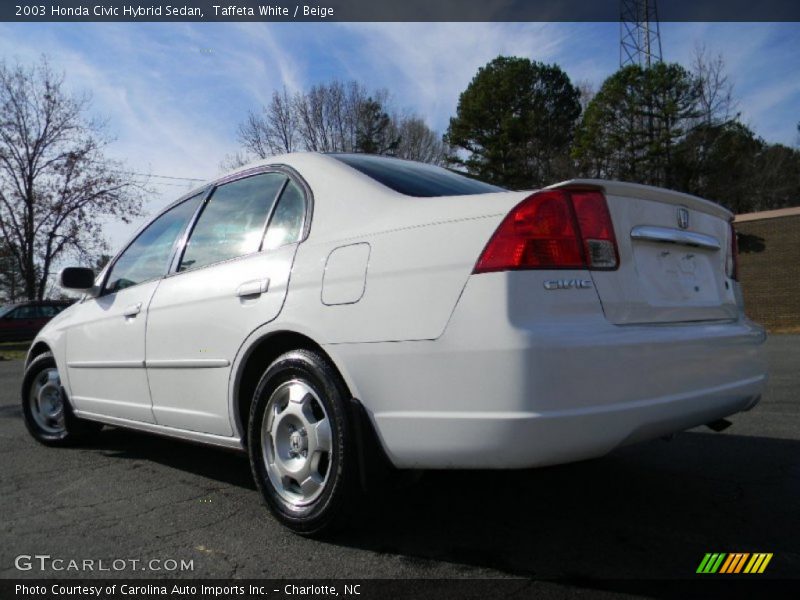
322, 311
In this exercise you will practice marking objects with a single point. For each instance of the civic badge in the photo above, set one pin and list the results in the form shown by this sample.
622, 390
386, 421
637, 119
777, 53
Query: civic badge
683, 217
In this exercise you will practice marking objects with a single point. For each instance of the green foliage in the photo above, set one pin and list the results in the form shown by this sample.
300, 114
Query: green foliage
777, 178
632, 126
515, 121
375, 133
650, 126
718, 162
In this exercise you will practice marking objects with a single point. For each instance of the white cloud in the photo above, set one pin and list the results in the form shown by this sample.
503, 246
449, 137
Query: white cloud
427, 65
277, 65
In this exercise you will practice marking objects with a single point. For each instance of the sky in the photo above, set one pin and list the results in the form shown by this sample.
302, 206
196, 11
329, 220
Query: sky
174, 93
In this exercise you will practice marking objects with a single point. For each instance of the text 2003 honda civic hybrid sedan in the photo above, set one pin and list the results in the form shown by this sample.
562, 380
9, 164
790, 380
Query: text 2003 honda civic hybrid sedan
322, 310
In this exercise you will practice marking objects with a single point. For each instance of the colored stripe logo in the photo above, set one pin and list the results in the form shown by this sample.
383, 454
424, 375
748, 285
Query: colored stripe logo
734, 562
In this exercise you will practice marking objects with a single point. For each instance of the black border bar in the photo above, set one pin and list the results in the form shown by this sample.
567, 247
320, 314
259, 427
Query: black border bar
387, 10
729, 587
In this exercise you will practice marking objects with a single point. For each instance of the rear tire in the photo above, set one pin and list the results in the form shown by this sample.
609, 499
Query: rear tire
301, 443
46, 409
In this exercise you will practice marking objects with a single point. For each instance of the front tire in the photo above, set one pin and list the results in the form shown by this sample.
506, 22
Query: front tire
301, 444
45, 408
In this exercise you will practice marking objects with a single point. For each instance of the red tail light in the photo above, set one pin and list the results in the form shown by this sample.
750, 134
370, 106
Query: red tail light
554, 229
732, 260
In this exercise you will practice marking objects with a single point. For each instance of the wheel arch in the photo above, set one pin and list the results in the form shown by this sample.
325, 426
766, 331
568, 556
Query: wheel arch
373, 460
260, 354
37, 349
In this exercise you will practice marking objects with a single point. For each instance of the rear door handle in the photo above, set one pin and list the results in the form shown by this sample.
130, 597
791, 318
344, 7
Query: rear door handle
133, 310
253, 288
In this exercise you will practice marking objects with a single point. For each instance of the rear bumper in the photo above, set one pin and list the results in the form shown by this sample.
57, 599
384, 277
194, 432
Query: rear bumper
538, 384
527, 439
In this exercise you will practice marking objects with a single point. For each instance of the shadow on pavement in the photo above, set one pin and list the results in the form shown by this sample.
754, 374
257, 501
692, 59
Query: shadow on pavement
647, 511
651, 510
212, 463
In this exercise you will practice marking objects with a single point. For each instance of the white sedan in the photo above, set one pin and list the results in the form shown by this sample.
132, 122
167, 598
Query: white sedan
330, 313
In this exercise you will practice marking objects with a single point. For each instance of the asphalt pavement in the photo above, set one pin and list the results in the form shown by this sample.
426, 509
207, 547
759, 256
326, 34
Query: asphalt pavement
646, 511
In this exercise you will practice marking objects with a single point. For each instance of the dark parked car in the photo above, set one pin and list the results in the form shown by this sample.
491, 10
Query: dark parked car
22, 321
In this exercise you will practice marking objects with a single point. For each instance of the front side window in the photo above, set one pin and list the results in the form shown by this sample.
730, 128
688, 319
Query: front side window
232, 223
148, 256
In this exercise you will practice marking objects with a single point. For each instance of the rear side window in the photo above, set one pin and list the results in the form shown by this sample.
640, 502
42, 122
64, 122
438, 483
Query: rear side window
232, 223
286, 224
148, 256
413, 178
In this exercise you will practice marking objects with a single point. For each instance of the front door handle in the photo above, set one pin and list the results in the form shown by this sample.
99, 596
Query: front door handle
133, 310
253, 288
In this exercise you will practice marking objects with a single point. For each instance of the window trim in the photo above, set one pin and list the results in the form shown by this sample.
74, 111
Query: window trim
271, 213
306, 219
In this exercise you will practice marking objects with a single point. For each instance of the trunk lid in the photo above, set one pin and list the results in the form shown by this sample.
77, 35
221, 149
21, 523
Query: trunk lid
672, 250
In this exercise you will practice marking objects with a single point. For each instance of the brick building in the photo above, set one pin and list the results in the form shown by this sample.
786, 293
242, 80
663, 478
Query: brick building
769, 267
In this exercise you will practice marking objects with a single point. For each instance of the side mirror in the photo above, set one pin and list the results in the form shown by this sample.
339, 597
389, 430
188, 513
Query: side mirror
79, 279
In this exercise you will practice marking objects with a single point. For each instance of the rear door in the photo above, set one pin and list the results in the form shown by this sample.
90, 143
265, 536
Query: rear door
673, 250
231, 278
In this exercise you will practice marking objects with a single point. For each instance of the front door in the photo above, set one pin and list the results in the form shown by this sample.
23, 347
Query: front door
106, 338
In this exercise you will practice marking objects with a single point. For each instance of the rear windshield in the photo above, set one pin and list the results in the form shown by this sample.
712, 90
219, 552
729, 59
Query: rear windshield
413, 178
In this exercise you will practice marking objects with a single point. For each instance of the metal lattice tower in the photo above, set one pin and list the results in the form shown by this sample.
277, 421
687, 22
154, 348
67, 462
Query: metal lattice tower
640, 36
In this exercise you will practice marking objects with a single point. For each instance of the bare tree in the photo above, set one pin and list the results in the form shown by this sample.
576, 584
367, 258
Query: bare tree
252, 135
329, 115
419, 142
335, 117
587, 91
282, 123
274, 131
235, 160
313, 112
56, 184
716, 100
